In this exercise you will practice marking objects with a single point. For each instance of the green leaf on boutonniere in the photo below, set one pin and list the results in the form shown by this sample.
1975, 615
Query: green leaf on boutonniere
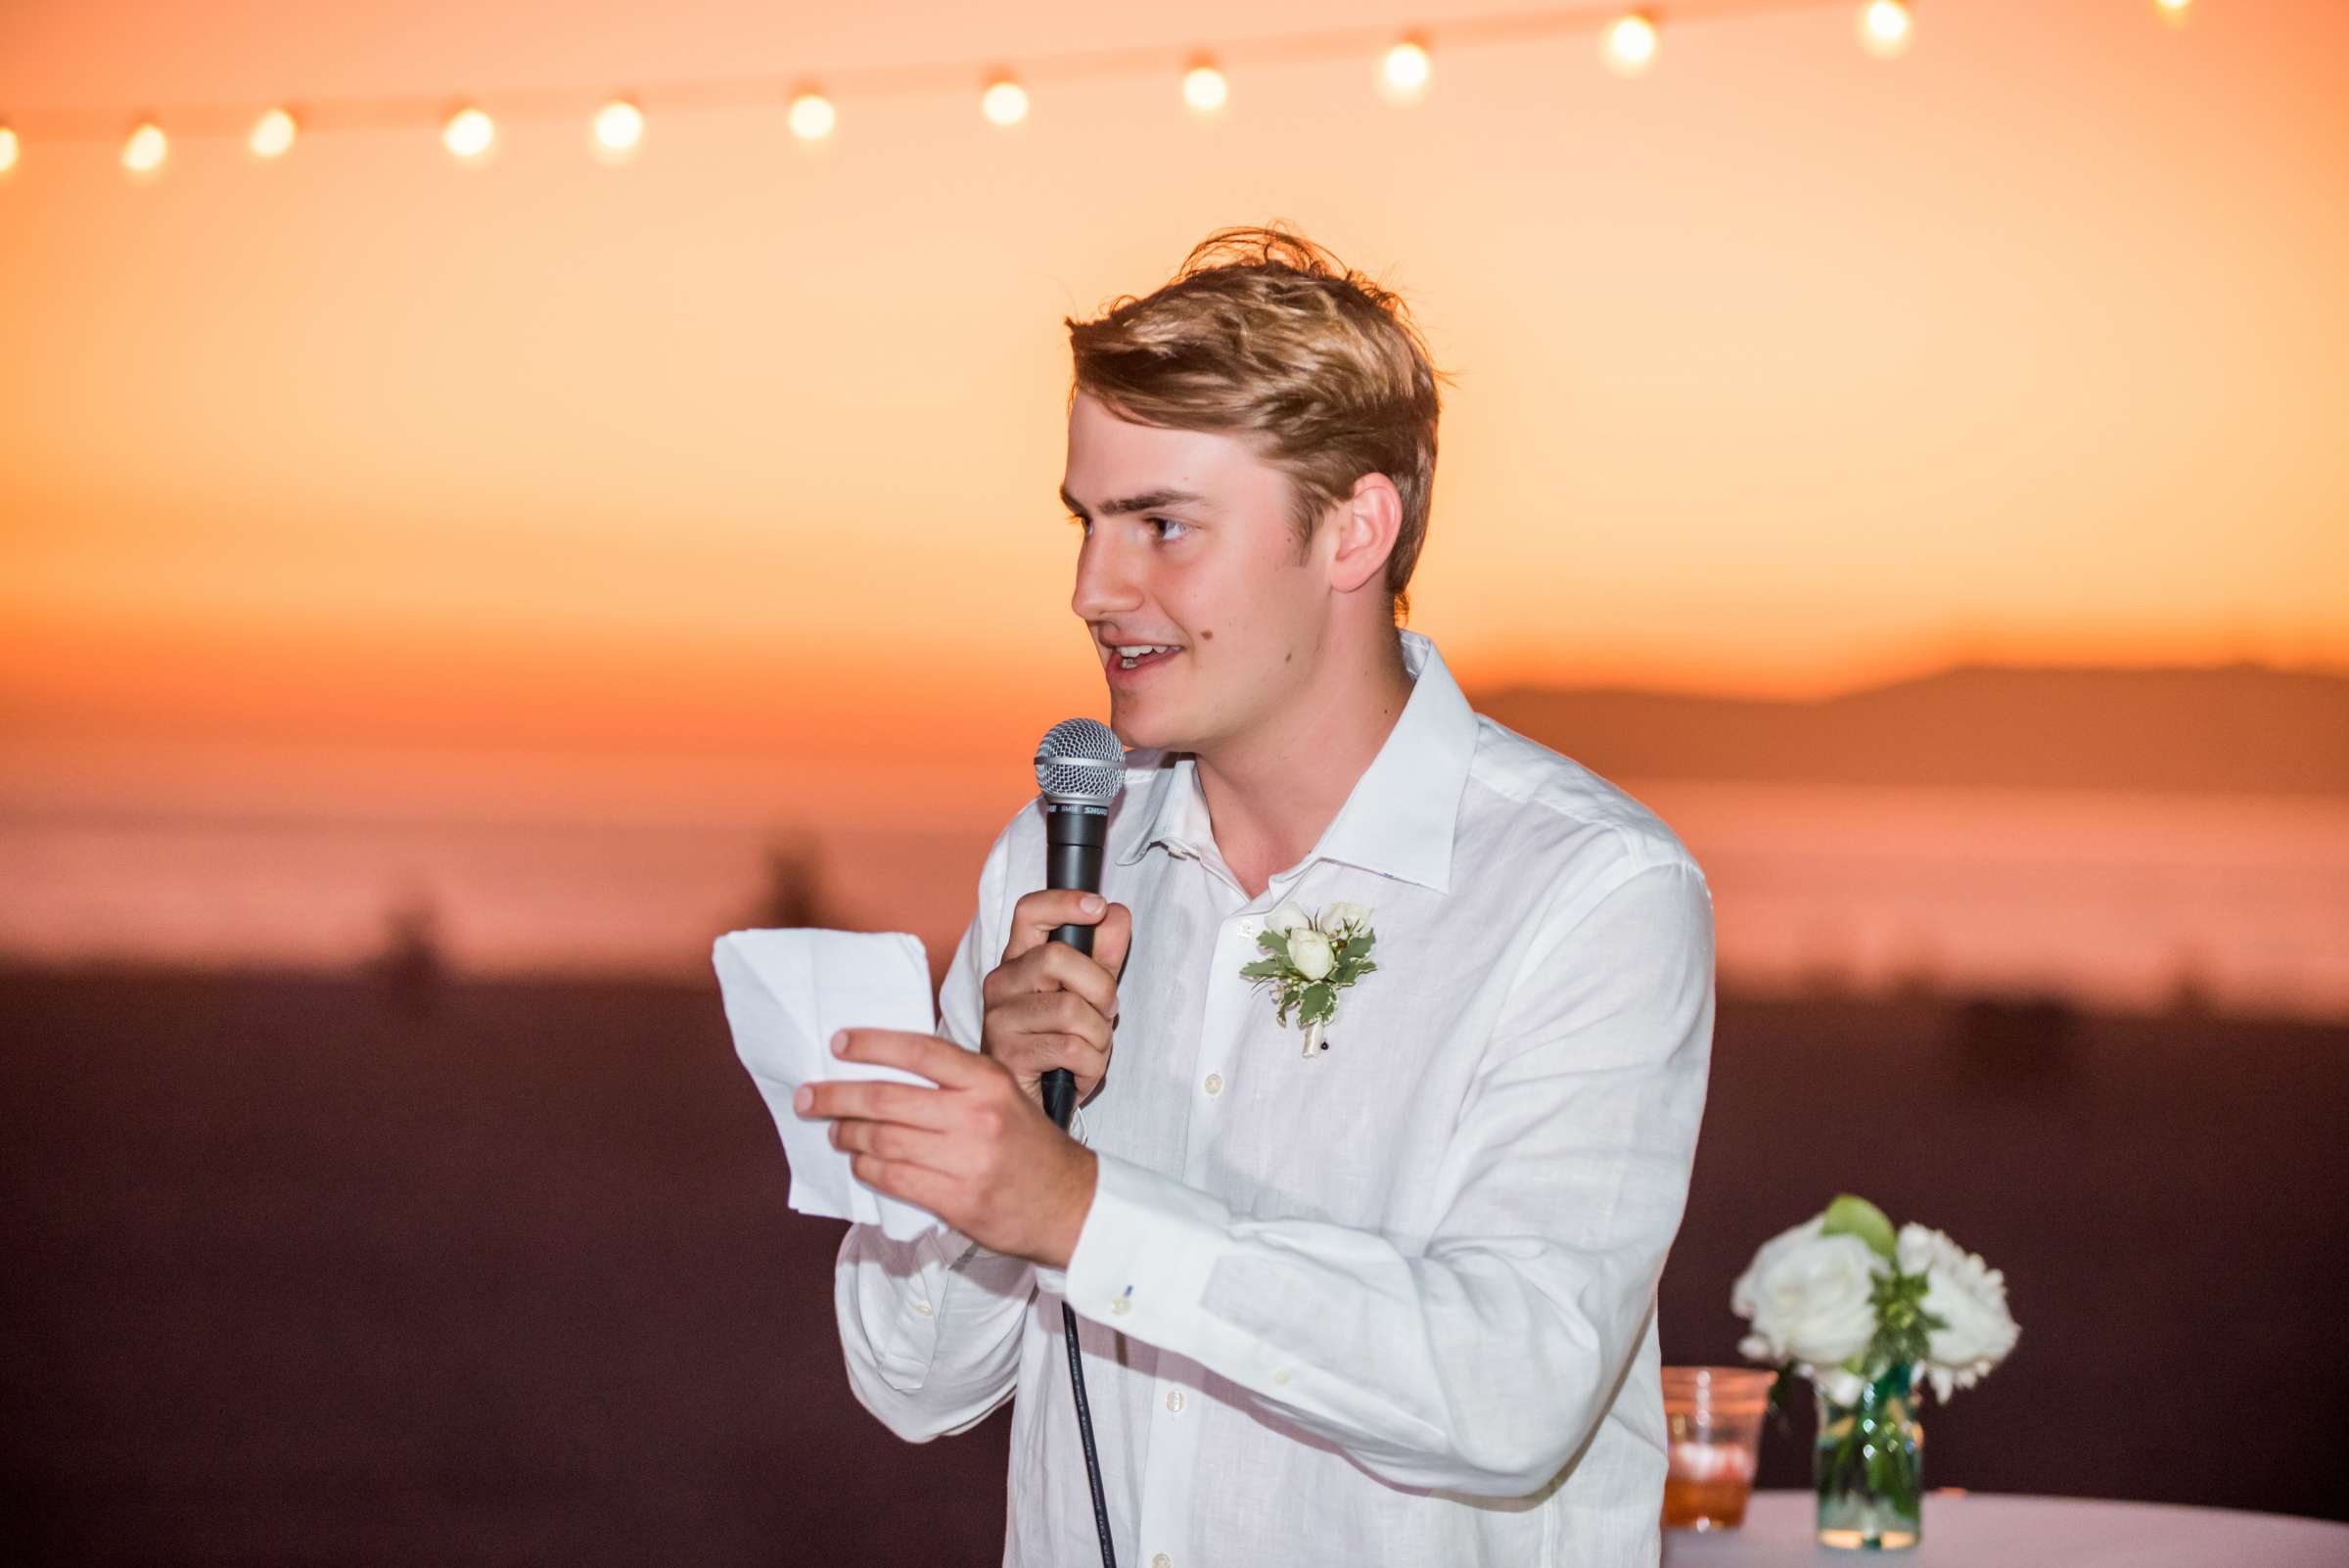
1317, 1000
1358, 945
1266, 969
1276, 942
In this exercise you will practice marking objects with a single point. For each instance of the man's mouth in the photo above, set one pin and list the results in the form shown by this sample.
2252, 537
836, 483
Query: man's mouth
1141, 655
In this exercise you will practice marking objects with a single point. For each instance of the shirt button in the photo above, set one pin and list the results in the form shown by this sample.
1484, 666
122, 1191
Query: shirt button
1215, 1083
1251, 926
1119, 1305
1162, 1560
924, 1308
1280, 1374
1174, 1401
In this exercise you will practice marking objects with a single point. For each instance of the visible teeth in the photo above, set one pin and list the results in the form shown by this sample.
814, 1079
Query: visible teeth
1139, 649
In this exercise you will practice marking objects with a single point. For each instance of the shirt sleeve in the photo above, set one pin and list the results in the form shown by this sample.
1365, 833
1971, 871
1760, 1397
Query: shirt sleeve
1484, 1362
931, 1327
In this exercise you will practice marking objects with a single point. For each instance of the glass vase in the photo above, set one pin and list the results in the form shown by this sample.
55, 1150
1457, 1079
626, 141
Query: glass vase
1867, 1467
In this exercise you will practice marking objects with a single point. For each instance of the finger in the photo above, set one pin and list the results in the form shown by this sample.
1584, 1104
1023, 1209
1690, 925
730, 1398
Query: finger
1048, 1029
941, 1061
1058, 966
1111, 940
903, 1145
1046, 910
913, 1105
916, 1184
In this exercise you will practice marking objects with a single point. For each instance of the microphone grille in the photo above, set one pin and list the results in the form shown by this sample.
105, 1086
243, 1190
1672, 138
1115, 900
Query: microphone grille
1081, 760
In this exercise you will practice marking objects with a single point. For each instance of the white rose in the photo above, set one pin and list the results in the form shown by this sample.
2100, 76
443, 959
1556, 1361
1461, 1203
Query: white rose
1310, 953
1343, 919
1969, 1297
1807, 1297
1287, 918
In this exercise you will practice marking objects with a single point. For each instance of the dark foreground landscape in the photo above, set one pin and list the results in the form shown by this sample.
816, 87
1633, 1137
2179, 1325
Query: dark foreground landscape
318, 1271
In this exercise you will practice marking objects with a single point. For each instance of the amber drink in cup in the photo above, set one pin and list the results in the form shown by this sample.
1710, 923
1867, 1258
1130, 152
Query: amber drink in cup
1713, 1415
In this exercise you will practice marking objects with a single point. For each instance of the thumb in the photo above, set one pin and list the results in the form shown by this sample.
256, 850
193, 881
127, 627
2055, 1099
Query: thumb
1112, 939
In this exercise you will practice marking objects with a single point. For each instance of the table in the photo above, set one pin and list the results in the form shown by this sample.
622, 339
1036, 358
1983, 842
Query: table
1995, 1530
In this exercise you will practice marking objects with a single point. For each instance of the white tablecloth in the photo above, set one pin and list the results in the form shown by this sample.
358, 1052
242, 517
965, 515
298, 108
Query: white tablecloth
1990, 1530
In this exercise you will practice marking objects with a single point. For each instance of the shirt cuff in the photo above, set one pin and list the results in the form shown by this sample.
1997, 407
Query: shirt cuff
1146, 1250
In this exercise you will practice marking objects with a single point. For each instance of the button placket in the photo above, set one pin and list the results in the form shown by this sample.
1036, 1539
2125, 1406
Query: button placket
1170, 1480
1220, 1020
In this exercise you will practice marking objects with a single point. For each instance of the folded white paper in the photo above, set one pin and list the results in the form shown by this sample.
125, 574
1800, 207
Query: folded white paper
785, 992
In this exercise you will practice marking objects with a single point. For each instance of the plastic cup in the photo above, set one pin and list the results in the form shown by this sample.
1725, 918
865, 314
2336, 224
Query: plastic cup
1712, 1417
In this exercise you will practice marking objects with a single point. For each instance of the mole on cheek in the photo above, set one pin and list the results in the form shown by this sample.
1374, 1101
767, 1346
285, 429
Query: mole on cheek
1206, 635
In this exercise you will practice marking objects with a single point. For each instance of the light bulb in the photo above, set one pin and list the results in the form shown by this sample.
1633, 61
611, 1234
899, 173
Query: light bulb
1630, 45
813, 116
1004, 103
619, 128
469, 133
1402, 75
146, 148
272, 135
1205, 88
1884, 27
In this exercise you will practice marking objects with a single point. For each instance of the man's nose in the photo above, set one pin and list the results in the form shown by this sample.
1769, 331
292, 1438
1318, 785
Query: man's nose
1105, 580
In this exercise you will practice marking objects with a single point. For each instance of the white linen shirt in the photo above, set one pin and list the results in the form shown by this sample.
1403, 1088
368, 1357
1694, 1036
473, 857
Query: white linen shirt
1389, 1303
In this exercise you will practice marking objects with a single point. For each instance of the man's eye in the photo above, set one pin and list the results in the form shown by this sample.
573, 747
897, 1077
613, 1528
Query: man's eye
1163, 524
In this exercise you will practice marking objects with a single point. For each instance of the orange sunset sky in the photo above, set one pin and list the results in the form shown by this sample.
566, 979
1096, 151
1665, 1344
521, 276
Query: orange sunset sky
1779, 368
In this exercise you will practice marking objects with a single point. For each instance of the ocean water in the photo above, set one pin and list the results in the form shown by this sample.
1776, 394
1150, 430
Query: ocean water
2129, 901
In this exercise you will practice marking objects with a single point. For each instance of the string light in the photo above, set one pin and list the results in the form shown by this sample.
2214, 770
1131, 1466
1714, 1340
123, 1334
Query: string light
1884, 27
813, 116
272, 135
619, 128
469, 133
1005, 101
1403, 73
1630, 44
147, 147
1205, 87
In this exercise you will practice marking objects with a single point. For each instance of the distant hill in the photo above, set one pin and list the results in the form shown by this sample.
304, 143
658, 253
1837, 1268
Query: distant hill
2239, 727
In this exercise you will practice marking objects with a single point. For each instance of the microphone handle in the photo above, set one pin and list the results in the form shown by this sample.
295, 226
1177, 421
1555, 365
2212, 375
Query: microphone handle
1074, 835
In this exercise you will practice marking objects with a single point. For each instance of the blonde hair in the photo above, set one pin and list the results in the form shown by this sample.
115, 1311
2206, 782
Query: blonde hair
1264, 334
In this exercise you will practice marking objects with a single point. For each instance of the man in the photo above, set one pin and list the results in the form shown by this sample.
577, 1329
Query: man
1389, 1300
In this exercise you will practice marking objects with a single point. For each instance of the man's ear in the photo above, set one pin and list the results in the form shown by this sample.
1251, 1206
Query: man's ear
1363, 533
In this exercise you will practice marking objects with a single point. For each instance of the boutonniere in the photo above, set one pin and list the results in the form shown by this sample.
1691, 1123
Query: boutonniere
1310, 959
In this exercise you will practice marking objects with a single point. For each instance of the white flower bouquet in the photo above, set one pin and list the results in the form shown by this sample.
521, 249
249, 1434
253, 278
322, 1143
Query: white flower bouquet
1842, 1296
1866, 1312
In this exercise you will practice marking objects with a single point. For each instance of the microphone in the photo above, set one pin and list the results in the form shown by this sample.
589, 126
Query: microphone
1079, 769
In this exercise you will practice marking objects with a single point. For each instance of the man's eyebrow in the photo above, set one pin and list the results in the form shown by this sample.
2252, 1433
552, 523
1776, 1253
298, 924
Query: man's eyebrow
1148, 501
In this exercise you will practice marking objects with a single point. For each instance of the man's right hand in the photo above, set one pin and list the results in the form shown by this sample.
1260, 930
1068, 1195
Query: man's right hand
1049, 1005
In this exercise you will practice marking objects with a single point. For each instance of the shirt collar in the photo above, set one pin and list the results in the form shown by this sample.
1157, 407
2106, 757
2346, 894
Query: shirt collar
1397, 819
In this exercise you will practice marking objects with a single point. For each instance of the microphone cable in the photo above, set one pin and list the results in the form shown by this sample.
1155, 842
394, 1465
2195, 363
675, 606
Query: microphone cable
1060, 1100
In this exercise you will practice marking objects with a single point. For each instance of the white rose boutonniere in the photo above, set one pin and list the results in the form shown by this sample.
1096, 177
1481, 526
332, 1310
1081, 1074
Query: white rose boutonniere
1310, 958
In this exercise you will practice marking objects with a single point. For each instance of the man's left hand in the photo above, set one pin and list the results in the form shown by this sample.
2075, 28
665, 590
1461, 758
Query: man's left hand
974, 1150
